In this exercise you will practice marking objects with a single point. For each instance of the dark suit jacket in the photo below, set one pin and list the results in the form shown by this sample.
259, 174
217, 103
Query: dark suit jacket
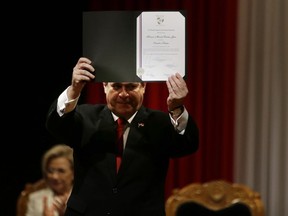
139, 187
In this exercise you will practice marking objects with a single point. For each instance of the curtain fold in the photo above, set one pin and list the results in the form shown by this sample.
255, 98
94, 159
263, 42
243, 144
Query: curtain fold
261, 101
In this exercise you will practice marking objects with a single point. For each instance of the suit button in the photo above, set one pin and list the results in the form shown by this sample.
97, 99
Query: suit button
115, 190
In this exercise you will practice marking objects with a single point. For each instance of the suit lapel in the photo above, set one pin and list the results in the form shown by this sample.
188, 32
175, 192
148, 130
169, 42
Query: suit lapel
108, 122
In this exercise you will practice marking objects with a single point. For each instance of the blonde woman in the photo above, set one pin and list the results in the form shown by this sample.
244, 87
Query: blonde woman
58, 172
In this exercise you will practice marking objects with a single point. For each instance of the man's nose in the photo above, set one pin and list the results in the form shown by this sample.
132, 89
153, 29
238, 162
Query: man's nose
123, 92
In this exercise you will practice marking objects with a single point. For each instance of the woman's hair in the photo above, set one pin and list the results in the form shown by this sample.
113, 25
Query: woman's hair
58, 150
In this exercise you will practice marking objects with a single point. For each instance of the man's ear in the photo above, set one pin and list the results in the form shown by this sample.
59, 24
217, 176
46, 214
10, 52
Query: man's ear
105, 86
143, 86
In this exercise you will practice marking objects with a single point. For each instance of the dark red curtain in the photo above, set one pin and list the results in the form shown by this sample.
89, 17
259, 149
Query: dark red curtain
211, 46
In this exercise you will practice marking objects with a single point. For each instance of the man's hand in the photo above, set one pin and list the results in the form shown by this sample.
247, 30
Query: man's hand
82, 73
177, 91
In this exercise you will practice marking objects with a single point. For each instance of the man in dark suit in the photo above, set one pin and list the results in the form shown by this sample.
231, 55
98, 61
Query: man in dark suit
151, 138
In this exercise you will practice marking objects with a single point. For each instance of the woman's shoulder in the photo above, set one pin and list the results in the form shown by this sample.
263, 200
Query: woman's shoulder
40, 193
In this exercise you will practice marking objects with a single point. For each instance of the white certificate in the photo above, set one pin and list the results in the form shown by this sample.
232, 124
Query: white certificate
160, 45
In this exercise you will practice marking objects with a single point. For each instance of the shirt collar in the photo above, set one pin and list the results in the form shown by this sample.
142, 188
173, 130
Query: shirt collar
115, 117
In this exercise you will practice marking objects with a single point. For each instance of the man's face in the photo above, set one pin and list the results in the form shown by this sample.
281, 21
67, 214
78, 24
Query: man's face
124, 98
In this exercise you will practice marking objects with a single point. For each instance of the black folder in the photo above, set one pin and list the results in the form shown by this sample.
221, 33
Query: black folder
109, 41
